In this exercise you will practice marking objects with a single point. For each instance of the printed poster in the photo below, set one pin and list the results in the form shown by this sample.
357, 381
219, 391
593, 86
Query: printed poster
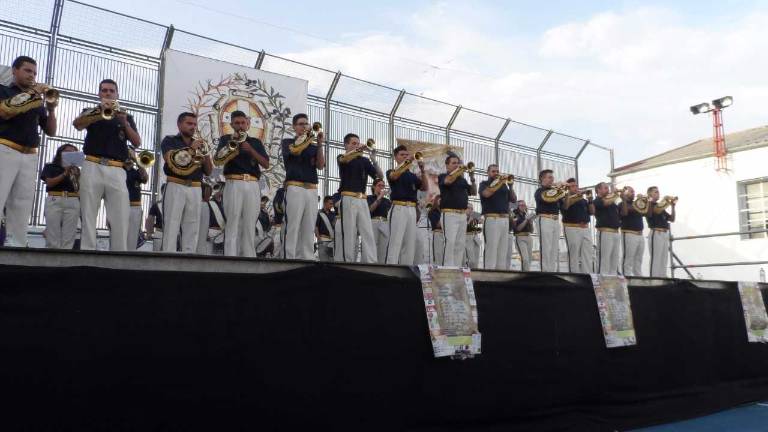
451, 307
612, 295
755, 316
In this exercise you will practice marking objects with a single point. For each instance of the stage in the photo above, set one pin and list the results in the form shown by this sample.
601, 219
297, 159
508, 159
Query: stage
121, 341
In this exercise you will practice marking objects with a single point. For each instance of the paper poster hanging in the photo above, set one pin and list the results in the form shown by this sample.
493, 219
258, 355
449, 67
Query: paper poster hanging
612, 295
451, 307
755, 316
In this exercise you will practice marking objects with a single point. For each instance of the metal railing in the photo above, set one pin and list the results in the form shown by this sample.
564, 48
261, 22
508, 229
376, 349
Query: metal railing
686, 267
77, 45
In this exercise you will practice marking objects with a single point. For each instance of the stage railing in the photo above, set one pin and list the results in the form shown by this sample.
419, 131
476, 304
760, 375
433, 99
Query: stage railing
674, 258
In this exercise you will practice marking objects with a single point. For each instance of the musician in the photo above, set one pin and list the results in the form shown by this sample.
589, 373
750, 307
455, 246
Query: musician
455, 192
135, 176
522, 227
154, 222
264, 243
423, 243
472, 240
278, 208
631, 235
434, 216
62, 205
203, 246
324, 231
103, 175
401, 248
354, 170
212, 211
607, 223
547, 198
495, 199
22, 111
577, 211
379, 206
182, 193
303, 157
658, 239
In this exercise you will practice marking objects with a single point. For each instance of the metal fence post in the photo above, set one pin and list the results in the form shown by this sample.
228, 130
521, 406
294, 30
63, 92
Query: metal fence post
50, 67
539, 166
450, 125
497, 140
327, 120
392, 114
159, 120
260, 59
576, 160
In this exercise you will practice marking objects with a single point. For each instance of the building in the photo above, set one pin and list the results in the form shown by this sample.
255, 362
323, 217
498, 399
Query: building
713, 202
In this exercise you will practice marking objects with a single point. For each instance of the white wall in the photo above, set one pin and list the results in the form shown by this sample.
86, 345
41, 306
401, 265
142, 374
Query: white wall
709, 204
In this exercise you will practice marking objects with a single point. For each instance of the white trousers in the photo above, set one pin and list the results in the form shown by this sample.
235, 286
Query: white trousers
549, 240
242, 201
401, 248
299, 227
608, 244
472, 251
524, 245
203, 246
579, 242
17, 193
181, 211
496, 238
61, 217
438, 247
658, 246
634, 247
455, 230
277, 238
381, 238
106, 182
356, 219
135, 216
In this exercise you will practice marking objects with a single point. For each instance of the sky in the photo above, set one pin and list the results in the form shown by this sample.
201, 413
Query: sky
620, 73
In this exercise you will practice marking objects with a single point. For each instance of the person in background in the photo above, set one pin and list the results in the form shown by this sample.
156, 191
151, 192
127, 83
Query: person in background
324, 230
203, 244
522, 226
379, 206
154, 222
435, 216
135, 176
473, 239
62, 206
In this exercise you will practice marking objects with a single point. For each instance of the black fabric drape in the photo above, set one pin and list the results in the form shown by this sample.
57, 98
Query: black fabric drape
322, 346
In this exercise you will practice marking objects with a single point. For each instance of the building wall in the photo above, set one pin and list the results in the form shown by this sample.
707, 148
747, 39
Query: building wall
708, 204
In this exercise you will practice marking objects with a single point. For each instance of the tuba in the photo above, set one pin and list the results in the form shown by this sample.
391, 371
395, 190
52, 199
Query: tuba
231, 150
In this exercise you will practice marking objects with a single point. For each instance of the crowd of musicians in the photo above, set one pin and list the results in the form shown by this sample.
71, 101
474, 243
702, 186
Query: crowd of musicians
227, 214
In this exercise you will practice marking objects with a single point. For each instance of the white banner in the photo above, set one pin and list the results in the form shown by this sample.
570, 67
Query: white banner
612, 295
755, 316
213, 89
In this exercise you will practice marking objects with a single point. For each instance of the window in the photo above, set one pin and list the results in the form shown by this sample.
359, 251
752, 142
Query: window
753, 207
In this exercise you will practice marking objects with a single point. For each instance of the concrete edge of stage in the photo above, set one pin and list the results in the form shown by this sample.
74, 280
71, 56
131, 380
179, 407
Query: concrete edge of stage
32, 257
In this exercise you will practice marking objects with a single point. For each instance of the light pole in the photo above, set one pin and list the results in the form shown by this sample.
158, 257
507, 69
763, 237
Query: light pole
717, 107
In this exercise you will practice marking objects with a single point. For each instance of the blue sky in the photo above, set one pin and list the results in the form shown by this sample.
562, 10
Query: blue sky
620, 73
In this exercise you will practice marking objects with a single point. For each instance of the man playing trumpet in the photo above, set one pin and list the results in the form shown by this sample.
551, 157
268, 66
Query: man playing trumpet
658, 221
454, 193
632, 233
402, 218
22, 111
495, 199
185, 163
608, 223
103, 175
577, 213
548, 197
242, 169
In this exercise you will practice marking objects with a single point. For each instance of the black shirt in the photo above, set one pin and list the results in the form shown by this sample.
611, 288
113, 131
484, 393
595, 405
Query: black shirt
158, 214
321, 225
578, 212
405, 187
543, 207
22, 129
264, 220
382, 210
434, 219
172, 142
301, 167
354, 174
278, 204
519, 219
633, 221
243, 163
133, 182
455, 195
107, 138
496, 203
51, 170
606, 214
660, 220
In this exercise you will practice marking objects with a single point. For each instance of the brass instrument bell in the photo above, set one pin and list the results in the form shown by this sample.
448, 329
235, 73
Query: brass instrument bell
108, 112
146, 159
51, 96
418, 156
370, 143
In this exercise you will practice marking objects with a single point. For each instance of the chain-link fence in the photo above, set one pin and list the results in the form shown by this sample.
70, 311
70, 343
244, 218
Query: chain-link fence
77, 45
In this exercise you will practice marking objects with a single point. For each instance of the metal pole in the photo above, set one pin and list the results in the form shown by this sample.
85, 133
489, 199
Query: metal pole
613, 179
327, 120
538, 151
576, 159
392, 114
260, 59
50, 68
671, 253
682, 266
497, 140
450, 125
159, 120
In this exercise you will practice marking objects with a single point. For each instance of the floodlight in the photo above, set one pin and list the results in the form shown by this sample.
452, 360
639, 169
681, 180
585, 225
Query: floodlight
701, 108
723, 102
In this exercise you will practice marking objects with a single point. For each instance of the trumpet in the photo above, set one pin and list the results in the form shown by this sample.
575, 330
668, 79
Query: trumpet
370, 143
110, 110
468, 168
418, 156
50, 95
507, 178
663, 203
307, 139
